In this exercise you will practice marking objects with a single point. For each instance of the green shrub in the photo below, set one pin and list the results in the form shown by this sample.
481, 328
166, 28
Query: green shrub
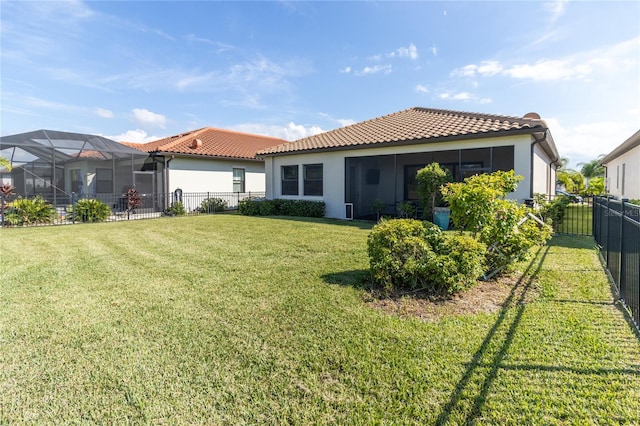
410, 254
554, 211
29, 211
249, 207
478, 205
212, 205
279, 207
176, 209
460, 263
90, 210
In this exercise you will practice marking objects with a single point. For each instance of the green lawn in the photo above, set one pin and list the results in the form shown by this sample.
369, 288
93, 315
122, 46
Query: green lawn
225, 319
577, 220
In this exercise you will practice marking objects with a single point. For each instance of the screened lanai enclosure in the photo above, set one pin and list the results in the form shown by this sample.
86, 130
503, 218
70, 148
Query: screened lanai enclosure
62, 166
392, 178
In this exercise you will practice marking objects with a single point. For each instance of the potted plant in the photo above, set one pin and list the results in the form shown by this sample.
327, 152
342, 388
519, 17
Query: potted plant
378, 207
430, 179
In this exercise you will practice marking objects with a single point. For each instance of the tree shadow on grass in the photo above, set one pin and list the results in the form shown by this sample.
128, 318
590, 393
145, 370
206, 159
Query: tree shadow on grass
532, 271
573, 241
357, 278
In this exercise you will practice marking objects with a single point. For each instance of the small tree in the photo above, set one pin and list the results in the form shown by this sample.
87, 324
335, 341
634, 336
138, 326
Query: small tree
430, 179
133, 200
378, 207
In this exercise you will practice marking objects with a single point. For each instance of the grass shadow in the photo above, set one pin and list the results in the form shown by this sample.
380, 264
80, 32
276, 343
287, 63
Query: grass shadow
357, 278
360, 224
573, 241
456, 397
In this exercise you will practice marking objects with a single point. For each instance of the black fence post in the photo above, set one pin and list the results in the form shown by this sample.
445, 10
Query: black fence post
2, 209
621, 263
73, 207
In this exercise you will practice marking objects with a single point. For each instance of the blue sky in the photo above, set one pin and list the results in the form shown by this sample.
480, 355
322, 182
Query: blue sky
137, 71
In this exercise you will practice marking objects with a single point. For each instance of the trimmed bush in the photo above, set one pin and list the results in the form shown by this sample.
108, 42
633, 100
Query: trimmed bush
410, 254
212, 205
176, 209
29, 211
90, 210
279, 207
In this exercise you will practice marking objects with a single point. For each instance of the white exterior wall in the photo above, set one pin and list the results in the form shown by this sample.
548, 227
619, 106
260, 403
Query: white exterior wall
544, 177
631, 161
210, 175
334, 168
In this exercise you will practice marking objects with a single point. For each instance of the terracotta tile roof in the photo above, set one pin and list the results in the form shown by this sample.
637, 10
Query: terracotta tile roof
211, 142
411, 125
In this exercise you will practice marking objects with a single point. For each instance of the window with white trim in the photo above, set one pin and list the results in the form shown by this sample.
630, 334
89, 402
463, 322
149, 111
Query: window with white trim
238, 180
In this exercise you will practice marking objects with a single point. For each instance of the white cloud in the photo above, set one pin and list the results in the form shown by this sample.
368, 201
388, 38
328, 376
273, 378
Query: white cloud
135, 136
346, 70
583, 142
376, 69
290, 132
549, 70
406, 52
145, 117
464, 96
555, 9
581, 66
422, 89
345, 121
434, 50
104, 113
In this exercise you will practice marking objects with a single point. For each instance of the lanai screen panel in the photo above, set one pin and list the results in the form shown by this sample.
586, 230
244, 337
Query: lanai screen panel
42, 159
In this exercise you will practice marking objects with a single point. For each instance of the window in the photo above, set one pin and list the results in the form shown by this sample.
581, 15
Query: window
313, 179
238, 180
289, 180
623, 173
76, 181
104, 180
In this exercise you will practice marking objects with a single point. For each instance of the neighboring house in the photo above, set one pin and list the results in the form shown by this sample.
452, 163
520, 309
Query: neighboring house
351, 167
55, 165
622, 178
206, 160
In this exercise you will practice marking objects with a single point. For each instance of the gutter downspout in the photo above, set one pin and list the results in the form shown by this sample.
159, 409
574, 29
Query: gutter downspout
533, 144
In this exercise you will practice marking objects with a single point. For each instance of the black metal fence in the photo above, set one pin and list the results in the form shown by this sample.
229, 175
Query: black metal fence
616, 229
62, 210
577, 217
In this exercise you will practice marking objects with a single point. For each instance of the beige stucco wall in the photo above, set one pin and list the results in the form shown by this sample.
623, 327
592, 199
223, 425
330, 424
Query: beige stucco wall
631, 162
206, 175
334, 168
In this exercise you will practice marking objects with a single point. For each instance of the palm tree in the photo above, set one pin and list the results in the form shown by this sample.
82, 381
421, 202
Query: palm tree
5, 164
592, 169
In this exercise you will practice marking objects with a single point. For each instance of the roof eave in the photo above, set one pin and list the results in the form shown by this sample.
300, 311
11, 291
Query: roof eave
408, 142
626, 146
202, 156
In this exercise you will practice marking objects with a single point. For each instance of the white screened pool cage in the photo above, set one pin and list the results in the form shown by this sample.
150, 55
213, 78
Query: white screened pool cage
63, 166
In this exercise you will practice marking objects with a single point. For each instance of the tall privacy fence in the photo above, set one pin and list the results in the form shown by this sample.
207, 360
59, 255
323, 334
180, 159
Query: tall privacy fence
616, 229
73, 208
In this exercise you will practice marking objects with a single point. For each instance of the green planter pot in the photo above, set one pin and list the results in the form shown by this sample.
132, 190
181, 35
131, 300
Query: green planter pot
441, 217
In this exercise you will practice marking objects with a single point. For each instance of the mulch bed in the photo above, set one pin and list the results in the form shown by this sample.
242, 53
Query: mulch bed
484, 297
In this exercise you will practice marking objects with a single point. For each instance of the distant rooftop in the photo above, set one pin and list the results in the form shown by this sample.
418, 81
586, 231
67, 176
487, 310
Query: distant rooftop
211, 142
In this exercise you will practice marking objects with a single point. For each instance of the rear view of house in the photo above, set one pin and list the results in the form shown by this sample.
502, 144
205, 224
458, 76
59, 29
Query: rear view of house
351, 167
